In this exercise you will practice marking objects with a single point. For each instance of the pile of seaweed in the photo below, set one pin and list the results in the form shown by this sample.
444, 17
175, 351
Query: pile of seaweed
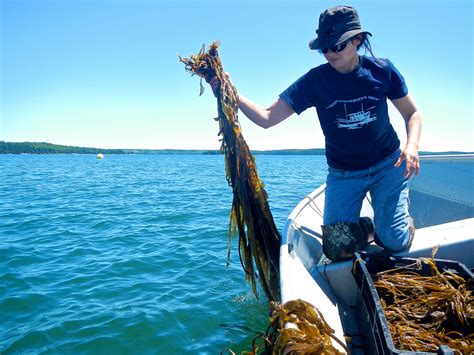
259, 240
424, 312
296, 327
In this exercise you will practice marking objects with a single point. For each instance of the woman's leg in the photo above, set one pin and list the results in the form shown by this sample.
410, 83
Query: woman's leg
342, 235
390, 201
345, 191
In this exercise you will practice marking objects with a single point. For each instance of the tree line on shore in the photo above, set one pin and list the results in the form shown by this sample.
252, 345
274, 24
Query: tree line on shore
48, 148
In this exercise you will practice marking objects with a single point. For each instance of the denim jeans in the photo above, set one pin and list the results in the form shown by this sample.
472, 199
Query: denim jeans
388, 187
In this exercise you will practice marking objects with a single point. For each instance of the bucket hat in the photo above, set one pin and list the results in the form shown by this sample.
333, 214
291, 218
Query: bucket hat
336, 25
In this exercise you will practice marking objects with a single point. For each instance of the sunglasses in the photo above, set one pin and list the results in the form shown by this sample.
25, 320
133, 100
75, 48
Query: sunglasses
336, 49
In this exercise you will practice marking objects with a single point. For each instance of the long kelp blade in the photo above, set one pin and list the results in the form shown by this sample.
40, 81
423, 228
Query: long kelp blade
259, 240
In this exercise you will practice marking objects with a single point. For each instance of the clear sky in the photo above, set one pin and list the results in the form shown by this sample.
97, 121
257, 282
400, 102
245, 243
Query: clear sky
105, 73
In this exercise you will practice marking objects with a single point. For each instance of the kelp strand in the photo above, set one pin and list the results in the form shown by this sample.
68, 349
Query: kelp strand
424, 312
259, 240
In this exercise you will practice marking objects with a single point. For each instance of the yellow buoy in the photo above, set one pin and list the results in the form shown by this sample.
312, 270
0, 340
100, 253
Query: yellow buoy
100, 156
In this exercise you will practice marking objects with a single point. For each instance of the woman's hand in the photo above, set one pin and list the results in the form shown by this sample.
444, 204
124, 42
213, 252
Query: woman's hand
410, 155
215, 84
407, 108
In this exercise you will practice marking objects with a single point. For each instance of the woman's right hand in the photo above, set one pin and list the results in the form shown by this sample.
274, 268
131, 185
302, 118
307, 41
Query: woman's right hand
215, 84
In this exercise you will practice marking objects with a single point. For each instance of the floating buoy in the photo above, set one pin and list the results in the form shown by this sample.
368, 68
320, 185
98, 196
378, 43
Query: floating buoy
100, 156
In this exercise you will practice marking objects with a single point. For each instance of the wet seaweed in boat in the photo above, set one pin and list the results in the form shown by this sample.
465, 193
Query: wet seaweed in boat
259, 239
424, 312
297, 327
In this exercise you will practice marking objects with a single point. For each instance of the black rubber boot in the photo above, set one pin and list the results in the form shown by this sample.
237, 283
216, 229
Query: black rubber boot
367, 232
339, 240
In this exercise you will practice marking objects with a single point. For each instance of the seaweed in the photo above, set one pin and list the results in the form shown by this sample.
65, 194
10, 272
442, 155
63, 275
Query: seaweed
259, 239
297, 327
424, 312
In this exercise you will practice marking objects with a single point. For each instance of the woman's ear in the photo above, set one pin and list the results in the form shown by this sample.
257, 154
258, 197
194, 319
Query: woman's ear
359, 39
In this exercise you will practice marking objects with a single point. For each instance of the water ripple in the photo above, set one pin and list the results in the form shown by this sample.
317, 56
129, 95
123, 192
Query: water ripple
128, 254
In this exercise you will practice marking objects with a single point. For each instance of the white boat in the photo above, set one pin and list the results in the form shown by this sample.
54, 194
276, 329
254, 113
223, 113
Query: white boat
442, 205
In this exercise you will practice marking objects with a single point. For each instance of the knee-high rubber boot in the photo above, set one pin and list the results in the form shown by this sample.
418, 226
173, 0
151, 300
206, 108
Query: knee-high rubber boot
367, 232
339, 240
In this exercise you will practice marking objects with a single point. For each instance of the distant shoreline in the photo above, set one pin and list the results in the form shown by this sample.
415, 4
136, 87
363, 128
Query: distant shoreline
49, 148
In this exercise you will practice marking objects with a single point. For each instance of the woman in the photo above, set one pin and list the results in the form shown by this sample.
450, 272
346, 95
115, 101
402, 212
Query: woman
362, 149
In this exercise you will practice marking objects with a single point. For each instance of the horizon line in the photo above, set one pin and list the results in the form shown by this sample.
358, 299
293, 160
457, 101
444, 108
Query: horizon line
209, 150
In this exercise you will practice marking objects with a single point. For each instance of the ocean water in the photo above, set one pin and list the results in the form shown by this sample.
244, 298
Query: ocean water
128, 254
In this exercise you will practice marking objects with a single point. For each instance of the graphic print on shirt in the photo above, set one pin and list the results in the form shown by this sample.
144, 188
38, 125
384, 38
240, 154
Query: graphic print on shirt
352, 114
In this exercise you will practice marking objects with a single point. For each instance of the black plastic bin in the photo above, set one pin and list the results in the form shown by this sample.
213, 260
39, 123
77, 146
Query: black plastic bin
367, 264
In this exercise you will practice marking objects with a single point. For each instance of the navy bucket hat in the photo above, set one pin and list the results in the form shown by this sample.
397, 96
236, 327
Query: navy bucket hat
336, 25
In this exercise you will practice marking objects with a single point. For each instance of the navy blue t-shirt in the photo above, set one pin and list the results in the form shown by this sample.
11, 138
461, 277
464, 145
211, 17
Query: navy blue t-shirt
352, 110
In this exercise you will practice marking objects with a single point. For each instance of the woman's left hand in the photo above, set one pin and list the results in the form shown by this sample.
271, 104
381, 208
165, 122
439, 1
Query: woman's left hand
410, 155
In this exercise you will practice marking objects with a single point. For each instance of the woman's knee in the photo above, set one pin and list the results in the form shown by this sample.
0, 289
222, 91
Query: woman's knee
396, 238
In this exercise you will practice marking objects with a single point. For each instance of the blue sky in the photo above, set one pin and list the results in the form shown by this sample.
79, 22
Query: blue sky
105, 73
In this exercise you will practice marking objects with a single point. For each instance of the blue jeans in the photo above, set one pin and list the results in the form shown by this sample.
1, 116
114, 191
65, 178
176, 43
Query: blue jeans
388, 187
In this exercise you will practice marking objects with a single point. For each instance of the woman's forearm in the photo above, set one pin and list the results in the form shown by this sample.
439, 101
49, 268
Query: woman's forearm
412, 117
265, 117
413, 127
254, 112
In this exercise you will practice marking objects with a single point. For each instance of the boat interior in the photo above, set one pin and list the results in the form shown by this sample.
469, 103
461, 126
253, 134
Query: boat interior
442, 205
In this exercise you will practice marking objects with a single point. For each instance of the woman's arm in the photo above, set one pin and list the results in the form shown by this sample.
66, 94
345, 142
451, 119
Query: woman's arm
407, 108
265, 117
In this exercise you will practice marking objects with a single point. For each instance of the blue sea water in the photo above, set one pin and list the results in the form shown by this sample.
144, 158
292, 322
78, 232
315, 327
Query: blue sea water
128, 254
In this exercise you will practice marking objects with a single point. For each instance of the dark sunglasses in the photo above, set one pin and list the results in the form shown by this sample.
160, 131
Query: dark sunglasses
336, 49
